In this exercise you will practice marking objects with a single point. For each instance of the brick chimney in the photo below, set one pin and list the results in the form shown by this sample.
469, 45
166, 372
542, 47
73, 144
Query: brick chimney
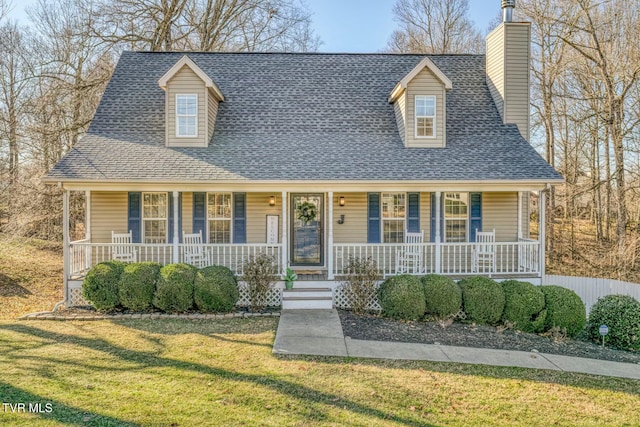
508, 55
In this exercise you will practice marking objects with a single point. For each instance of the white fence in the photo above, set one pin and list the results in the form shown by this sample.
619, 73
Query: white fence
590, 289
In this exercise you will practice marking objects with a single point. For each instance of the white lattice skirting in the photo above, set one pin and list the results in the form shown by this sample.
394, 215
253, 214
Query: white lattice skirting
341, 300
274, 297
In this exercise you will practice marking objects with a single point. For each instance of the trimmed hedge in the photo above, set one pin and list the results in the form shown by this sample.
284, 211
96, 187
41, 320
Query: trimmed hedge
565, 310
523, 306
216, 289
483, 300
621, 313
174, 291
138, 284
100, 286
443, 297
402, 297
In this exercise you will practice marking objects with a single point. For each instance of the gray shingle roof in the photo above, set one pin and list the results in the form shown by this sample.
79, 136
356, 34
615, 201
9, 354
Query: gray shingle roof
299, 117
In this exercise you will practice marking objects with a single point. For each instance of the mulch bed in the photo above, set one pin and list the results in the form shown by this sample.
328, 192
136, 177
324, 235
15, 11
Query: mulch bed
370, 327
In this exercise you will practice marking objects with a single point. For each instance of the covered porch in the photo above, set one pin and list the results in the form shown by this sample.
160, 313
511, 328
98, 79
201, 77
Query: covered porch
238, 223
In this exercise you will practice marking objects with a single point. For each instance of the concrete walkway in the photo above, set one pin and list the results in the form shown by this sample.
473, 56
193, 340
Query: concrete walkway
319, 332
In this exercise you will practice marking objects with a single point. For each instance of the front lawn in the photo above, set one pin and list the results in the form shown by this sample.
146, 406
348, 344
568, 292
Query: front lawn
189, 373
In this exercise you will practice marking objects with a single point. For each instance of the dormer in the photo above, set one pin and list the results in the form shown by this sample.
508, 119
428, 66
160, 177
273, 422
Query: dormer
419, 101
191, 104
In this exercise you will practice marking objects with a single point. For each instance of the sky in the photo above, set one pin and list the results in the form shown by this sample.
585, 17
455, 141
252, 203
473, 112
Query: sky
349, 25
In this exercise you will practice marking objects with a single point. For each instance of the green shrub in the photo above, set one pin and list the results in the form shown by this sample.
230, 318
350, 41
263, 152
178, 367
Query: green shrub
443, 296
360, 283
100, 286
216, 289
483, 300
174, 291
401, 297
621, 313
565, 310
138, 284
260, 275
523, 306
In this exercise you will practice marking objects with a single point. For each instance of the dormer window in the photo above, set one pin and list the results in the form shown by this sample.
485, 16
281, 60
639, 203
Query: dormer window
425, 116
187, 116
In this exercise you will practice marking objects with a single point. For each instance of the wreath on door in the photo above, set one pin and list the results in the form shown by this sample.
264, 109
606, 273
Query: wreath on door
307, 212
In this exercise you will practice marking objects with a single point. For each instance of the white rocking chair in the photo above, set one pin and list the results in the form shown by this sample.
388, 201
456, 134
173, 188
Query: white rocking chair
483, 258
123, 249
410, 259
194, 251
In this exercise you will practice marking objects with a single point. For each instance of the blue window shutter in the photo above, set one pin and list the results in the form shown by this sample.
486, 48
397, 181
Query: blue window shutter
135, 216
239, 218
475, 202
373, 228
200, 214
413, 217
171, 219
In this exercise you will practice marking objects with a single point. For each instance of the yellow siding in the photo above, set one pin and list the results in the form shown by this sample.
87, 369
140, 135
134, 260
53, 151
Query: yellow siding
108, 213
500, 212
425, 215
213, 113
495, 67
187, 213
257, 210
186, 82
517, 76
425, 83
508, 52
401, 115
525, 215
354, 229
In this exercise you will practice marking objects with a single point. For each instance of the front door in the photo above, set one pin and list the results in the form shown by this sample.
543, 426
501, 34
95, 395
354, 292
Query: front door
306, 229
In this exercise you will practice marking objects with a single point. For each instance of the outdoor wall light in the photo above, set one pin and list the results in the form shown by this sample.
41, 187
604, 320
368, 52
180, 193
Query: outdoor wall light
272, 200
341, 201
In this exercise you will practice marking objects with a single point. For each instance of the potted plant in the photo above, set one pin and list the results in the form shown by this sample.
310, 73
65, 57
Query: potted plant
290, 278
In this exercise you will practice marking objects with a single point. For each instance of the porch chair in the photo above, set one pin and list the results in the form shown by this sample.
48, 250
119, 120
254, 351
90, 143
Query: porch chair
410, 258
483, 259
123, 249
194, 251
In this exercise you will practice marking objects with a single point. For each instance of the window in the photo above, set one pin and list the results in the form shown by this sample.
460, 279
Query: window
187, 115
425, 116
219, 217
456, 214
154, 217
393, 217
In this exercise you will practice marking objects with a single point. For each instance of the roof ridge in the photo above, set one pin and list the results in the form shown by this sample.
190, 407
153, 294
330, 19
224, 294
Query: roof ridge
303, 53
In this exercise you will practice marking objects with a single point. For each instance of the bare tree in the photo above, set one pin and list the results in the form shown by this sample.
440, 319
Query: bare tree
434, 26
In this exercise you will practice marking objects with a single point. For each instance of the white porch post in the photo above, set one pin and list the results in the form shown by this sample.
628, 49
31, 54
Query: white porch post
542, 203
176, 226
438, 233
284, 233
65, 244
330, 239
87, 215
519, 215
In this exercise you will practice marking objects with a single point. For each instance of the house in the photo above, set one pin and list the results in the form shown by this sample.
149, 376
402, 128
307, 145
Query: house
313, 158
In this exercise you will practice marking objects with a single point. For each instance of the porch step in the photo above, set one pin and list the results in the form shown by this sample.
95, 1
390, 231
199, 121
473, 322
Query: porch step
307, 298
313, 284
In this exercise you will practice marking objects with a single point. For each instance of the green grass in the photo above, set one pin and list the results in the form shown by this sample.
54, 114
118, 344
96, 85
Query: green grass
189, 373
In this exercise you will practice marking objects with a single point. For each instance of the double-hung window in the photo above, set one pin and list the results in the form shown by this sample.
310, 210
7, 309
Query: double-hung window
425, 116
187, 116
154, 217
219, 217
393, 217
456, 217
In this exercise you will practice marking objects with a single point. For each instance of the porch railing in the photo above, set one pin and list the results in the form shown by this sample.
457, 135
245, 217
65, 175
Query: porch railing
457, 259
83, 254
